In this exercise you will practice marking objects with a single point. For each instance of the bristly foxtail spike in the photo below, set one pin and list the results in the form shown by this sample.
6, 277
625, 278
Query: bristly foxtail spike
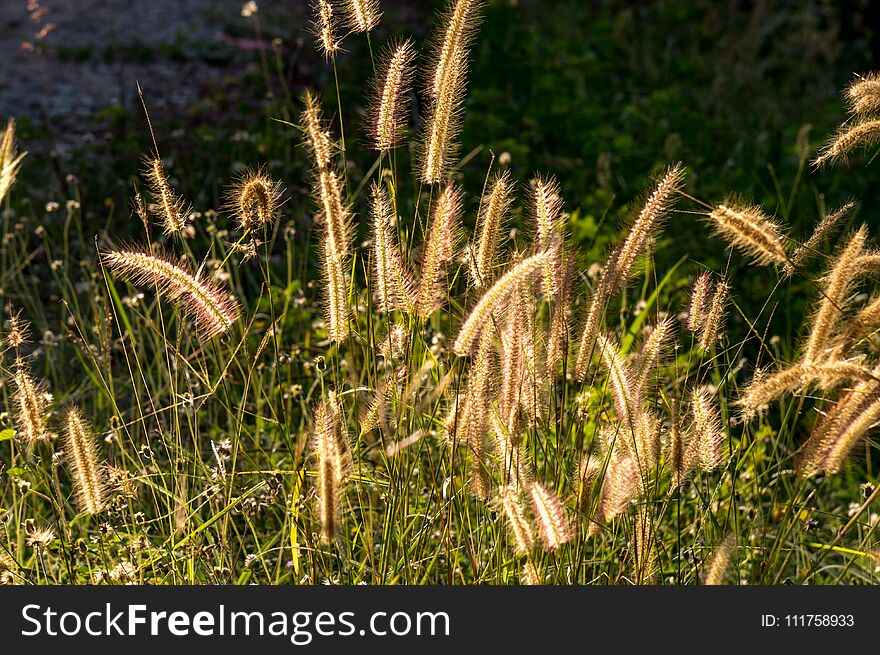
388, 109
447, 89
87, 467
205, 302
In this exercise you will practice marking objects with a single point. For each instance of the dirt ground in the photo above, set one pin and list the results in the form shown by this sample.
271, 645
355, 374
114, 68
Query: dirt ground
66, 60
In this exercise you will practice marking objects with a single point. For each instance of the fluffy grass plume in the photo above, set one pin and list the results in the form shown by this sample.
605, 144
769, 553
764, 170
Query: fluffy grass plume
765, 388
495, 299
650, 219
841, 428
748, 229
712, 328
325, 26
318, 141
518, 520
168, 206
707, 428
446, 89
10, 159
861, 134
552, 524
31, 405
836, 288
390, 103
823, 230
438, 251
620, 263
863, 94
393, 282
336, 278
559, 334
206, 303
331, 447
494, 207
82, 452
362, 15
255, 200
720, 562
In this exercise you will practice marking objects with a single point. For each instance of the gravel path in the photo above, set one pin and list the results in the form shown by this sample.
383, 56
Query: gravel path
92, 52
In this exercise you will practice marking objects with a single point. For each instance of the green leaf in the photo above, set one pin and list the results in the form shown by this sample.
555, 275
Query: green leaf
7, 434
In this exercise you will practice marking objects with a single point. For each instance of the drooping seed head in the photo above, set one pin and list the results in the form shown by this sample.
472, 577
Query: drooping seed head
496, 298
518, 520
863, 134
751, 231
720, 562
204, 302
863, 94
